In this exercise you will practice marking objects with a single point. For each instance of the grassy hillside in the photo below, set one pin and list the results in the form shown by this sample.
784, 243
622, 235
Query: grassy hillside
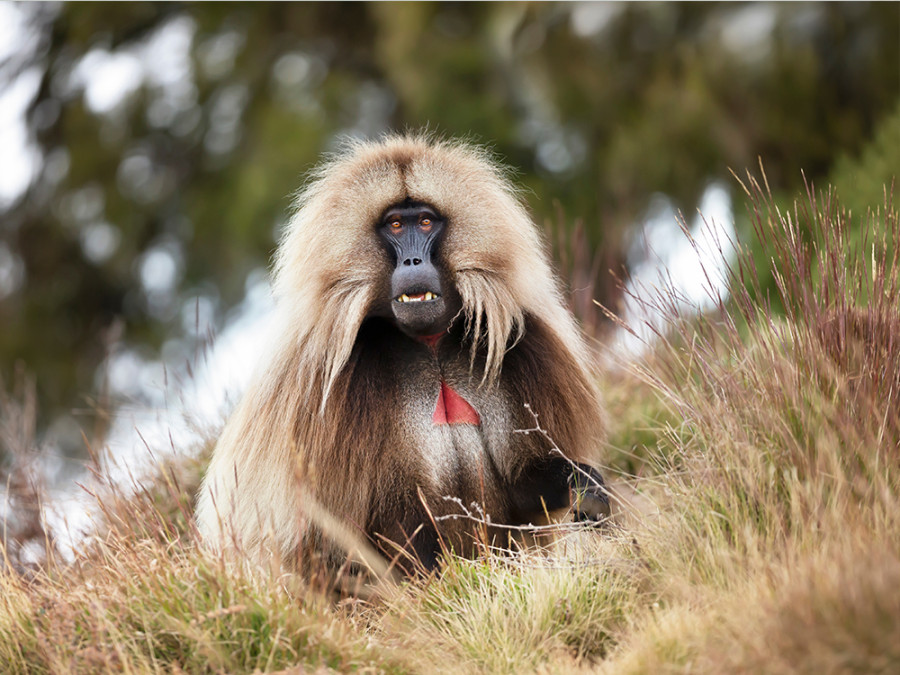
756, 464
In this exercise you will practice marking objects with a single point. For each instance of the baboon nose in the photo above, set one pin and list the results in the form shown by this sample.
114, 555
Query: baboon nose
412, 261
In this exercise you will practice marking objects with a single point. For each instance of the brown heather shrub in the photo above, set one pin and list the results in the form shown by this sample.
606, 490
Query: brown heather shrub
778, 538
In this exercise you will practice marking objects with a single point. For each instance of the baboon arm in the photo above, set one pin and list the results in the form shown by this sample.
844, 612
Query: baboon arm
542, 487
558, 483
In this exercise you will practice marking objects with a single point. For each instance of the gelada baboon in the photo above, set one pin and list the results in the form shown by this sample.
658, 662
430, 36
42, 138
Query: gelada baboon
420, 326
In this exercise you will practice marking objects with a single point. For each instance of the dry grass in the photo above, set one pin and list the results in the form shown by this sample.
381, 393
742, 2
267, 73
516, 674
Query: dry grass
758, 462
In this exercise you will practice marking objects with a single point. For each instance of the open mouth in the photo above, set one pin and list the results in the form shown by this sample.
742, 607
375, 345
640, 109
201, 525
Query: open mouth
428, 296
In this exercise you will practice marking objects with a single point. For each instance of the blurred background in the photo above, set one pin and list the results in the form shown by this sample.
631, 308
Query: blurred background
150, 151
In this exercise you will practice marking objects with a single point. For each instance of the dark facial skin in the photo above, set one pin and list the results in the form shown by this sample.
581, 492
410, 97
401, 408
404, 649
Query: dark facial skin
423, 301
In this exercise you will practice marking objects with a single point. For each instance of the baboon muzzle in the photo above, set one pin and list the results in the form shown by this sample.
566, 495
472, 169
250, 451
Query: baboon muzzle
418, 299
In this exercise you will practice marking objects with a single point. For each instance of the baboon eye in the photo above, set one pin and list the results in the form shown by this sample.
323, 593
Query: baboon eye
425, 224
396, 225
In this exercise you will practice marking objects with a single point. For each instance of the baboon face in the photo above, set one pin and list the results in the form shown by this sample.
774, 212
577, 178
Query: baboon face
423, 300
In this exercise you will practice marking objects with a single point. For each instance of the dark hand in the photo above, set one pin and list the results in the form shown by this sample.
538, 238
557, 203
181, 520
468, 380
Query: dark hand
589, 496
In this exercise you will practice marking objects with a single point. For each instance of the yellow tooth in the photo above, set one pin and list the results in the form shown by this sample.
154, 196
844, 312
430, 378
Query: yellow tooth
428, 295
404, 298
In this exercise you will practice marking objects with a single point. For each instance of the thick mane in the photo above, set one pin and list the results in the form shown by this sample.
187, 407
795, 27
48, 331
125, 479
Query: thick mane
328, 297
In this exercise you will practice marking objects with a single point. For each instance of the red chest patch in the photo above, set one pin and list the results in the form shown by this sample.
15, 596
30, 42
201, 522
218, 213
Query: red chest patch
451, 408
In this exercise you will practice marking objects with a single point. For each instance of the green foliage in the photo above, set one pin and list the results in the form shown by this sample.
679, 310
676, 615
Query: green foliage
865, 181
644, 428
599, 107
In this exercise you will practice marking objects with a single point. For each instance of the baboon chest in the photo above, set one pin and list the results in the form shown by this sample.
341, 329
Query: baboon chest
456, 429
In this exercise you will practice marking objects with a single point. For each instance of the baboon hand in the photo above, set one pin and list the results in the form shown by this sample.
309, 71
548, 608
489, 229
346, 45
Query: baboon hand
590, 498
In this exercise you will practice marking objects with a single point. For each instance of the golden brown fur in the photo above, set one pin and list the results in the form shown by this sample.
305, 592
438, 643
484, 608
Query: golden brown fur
324, 405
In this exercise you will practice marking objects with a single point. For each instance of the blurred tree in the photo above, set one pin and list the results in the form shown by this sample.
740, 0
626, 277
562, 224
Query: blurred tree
171, 136
865, 179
